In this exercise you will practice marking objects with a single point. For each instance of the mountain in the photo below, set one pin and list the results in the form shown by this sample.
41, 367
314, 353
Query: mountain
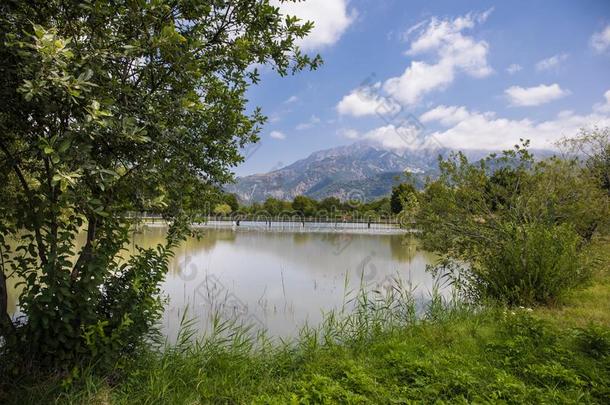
360, 170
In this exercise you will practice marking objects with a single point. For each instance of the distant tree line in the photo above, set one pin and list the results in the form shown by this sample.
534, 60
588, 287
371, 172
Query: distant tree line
227, 205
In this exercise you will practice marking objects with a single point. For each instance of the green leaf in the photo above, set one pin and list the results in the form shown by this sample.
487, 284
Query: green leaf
64, 145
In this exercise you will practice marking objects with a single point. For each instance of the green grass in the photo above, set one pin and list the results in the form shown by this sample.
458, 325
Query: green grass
590, 304
379, 354
493, 356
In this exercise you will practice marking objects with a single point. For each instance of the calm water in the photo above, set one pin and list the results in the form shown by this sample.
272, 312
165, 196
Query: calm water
282, 279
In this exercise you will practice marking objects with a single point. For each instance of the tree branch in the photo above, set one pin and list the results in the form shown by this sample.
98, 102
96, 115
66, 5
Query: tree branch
24, 184
7, 328
87, 250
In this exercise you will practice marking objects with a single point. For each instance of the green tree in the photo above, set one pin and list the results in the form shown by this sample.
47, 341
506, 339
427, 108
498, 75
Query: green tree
254, 208
273, 206
108, 108
304, 205
401, 194
381, 207
330, 204
521, 225
222, 209
593, 146
231, 201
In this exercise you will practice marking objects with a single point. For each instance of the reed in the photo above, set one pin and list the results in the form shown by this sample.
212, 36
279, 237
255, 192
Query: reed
381, 346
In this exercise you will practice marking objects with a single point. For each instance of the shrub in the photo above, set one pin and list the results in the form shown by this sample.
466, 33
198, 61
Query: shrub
73, 323
518, 224
534, 264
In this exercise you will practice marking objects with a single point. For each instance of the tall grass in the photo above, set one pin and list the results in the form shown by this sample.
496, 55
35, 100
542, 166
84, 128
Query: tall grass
382, 346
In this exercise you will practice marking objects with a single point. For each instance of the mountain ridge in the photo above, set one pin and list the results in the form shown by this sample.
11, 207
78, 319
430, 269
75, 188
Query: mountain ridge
360, 170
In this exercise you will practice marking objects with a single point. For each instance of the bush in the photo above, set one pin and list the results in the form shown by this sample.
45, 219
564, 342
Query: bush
534, 264
520, 225
69, 322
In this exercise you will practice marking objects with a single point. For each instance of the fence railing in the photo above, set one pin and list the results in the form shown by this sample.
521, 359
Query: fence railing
392, 220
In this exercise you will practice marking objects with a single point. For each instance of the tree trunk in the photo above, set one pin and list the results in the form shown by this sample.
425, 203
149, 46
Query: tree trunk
6, 324
85, 255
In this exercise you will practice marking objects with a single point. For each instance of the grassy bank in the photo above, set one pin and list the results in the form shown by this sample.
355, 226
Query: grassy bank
377, 355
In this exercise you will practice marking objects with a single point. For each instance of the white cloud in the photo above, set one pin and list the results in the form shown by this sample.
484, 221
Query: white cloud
277, 135
486, 131
291, 99
603, 107
445, 115
412, 29
367, 101
331, 19
455, 52
475, 130
551, 63
313, 121
533, 96
440, 33
418, 79
349, 133
514, 68
600, 41
394, 137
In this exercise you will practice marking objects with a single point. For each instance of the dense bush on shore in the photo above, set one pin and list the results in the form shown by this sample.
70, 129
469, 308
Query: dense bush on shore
514, 230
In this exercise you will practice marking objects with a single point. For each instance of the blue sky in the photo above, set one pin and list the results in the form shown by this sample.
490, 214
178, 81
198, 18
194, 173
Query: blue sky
475, 74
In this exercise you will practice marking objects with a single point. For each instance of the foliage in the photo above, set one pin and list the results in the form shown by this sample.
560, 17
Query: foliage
330, 208
594, 340
381, 207
520, 225
222, 209
330, 204
231, 201
108, 109
534, 263
401, 196
593, 146
274, 207
304, 205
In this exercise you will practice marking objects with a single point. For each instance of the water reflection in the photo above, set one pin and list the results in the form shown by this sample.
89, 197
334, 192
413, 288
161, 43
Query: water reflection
283, 279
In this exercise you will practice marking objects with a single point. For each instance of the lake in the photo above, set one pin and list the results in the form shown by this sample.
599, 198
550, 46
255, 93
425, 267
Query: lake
285, 276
